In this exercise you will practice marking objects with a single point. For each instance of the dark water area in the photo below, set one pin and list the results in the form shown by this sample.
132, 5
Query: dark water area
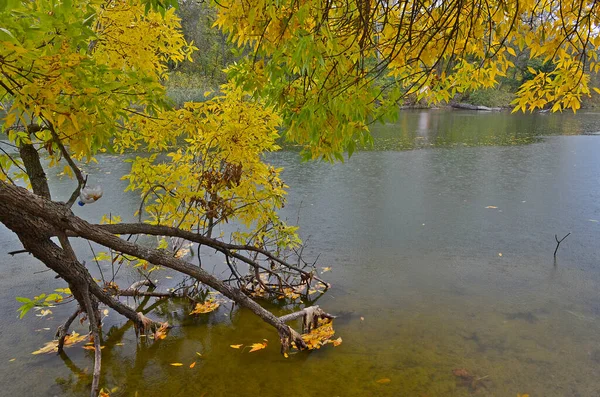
441, 260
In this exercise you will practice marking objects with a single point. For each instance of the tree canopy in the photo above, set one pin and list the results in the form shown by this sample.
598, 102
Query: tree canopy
79, 78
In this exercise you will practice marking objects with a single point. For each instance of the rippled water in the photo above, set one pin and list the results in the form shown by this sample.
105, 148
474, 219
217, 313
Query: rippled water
426, 279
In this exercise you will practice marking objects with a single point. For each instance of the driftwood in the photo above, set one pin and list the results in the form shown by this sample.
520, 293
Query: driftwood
468, 106
310, 317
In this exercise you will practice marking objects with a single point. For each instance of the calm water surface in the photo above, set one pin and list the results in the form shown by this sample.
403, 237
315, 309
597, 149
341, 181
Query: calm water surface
426, 279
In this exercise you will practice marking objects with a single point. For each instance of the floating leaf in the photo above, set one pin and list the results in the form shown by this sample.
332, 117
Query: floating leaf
199, 355
337, 342
325, 269
383, 381
257, 346
491, 207
161, 332
206, 307
499, 253
70, 340
90, 347
11, 360
192, 365
236, 346
320, 335
176, 364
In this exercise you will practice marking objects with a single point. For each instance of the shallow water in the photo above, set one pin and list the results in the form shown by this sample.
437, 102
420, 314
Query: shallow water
419, 284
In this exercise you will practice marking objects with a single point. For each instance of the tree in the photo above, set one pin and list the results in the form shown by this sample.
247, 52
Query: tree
331, 67
79, 78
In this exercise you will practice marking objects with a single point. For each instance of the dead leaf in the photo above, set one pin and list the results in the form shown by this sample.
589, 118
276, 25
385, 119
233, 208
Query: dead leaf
11, 360
325, 269
161, 332
236, 346
91, 347
499, 253
383, 381
257, 346
337, 342
491, 207
70, 340
209, 306
192, 365
199, 355
177, 364
319, 336
362, 319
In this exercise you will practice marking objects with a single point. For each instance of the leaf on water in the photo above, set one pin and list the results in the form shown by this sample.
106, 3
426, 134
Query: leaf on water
44, 312
257, 346
199, 355
168, 277
70, 340
209, 306
105, 312
319, 336
491, 207
192, 365
91, 347
285, 355
337, 342
236, 346
499, 253
383, 381
161, 332
362, 319
120, 344
176, 364
11, 360
325, 269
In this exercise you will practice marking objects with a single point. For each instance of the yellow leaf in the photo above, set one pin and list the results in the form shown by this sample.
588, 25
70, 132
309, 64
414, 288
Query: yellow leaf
337, 342
511, 51
206, 307
192, 365
499, 253
11, 360
596, 89
236, 346
257, 346
199, 355
10, 120
177, 364
52, 346
383, 381
492, 207
325, 269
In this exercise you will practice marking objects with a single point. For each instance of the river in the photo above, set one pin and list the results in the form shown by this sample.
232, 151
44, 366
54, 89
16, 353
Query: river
440, 241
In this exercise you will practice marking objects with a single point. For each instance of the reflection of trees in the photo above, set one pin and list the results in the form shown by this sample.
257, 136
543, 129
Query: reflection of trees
149, 369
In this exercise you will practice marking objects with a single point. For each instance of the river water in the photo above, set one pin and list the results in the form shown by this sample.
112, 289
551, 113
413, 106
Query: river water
440, 241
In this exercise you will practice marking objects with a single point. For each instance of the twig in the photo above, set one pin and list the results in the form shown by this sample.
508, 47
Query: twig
558, 242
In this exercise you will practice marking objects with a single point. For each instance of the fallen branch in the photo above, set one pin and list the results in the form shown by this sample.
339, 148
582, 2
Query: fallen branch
310, 317
558, 242
63, 330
